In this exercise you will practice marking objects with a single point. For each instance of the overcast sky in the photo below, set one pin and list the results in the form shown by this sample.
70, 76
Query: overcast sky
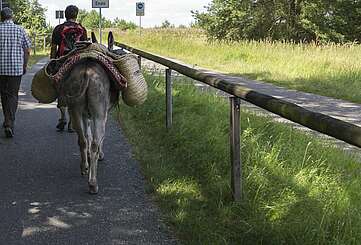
156, 11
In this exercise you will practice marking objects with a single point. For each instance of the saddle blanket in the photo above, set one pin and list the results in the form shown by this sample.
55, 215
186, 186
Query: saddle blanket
58, 69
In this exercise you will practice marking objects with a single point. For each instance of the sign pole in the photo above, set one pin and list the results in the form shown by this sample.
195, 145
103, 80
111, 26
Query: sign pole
139, 11
100, 25
100, 4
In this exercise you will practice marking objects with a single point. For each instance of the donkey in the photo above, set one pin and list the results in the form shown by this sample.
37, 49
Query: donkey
89, 111
89, 100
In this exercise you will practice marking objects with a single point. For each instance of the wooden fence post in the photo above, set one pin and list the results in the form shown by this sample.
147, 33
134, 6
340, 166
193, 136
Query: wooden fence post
34, 44
235, 149
169, 99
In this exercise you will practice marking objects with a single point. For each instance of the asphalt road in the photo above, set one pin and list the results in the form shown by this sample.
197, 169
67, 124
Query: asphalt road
44, 200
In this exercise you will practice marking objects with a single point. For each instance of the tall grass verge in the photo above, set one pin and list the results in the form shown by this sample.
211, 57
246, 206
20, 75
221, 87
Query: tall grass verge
330, 70
297, 188
33, 59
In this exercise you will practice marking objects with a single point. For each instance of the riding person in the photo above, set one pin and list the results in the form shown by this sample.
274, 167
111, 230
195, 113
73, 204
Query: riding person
63, 39
14, 55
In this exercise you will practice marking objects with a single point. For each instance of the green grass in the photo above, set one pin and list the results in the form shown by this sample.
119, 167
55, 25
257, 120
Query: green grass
330, 70
35, 58
297, 188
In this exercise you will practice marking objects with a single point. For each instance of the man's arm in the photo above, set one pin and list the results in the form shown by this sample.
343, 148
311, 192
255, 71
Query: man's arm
53, 50
85, 35
55, 41
26, 59
26, 43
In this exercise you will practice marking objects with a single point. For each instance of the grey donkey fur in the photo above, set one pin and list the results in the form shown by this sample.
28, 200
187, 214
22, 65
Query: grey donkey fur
89, 99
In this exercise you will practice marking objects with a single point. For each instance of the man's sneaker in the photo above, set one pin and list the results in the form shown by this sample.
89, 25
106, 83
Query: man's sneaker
9, 133
61, 125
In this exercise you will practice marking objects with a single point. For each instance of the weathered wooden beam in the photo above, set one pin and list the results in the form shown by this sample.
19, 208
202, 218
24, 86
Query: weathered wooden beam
336, 128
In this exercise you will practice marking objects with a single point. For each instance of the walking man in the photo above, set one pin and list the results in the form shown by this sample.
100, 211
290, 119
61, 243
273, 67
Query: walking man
63, 41
14, 54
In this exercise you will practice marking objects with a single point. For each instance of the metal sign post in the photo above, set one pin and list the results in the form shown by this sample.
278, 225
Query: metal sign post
139, 9
100, 25
100, 4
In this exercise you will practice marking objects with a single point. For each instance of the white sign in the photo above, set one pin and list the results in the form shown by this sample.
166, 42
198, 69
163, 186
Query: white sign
139, 7
100, 3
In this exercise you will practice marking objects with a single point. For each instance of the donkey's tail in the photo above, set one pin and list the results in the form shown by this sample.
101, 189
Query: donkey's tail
79, 84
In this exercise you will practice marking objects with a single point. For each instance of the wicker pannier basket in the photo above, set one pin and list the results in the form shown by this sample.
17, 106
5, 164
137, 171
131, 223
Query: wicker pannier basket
42, 87
136, 91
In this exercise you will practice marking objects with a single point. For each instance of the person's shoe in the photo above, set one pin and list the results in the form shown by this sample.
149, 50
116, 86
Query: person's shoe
70, 128
9, 133
61, 125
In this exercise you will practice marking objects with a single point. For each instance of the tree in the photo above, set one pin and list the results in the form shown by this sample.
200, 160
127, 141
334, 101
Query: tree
123, 24
30, 14
166, 24
297, 20
91, 20
81, 15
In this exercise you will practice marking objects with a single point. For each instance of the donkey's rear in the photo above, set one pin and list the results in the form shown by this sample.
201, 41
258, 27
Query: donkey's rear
89, 97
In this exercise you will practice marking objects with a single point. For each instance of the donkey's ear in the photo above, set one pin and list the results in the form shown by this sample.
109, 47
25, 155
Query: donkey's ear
94, 39
110, 40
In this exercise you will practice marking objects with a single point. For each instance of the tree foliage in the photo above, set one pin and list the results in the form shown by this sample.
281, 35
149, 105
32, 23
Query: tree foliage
30, 14
123, 24
91, 20
297, 20
166, 24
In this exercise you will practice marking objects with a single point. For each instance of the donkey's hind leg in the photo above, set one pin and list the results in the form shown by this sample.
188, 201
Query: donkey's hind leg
81, 129
98, 132
101, 153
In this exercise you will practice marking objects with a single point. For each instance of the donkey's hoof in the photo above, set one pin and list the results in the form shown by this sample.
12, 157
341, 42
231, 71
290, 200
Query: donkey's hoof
84, 172
101, 156
61, 125
93, 189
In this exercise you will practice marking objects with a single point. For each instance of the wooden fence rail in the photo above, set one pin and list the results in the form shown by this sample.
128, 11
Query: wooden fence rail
39, 42
317, 121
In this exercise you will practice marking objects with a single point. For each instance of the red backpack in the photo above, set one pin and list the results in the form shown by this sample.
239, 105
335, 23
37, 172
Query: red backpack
69, 36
